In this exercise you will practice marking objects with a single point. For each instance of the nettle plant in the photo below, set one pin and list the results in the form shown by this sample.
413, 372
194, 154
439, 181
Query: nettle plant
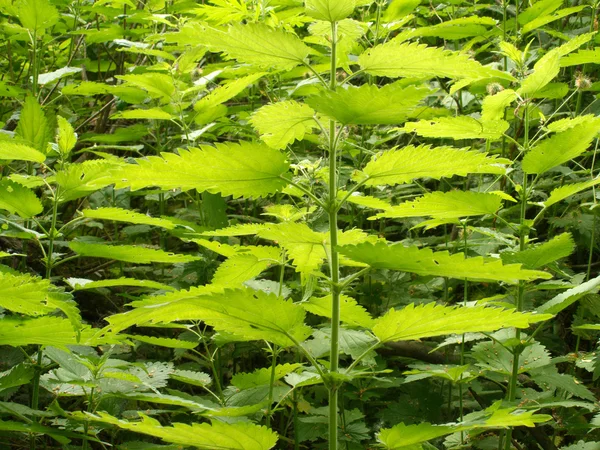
458, 168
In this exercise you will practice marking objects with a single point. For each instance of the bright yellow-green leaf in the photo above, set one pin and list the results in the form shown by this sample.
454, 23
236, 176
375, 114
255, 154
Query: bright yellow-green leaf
129, 253
351, 312
417, 60
417, 322
446, 205
329, 10
426, 262
17, 199
227, 91
566, 191
561, 147
400, 166
66, 138
460, 127
256, 44
369, 104
282, 123
219, 435
244, 169
12, 151
556, 248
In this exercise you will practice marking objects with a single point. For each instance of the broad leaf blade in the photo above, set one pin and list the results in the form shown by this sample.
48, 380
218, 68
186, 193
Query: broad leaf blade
409, 163
417, 322
329, 10
237, 436
561, 147
426, 262
561, 193
558, 247
369, 104
446, 205
12, 151
460, 127
256, 44
282, 123
570, 296
417, 60
129, 253
18, 199
244, 169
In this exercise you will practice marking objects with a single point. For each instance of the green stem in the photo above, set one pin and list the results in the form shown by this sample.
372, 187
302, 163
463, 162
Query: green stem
35, 395
34, 65
523, 234
333, 259
275, 352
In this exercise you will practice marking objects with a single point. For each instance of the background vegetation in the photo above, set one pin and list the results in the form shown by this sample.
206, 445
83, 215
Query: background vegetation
277, 224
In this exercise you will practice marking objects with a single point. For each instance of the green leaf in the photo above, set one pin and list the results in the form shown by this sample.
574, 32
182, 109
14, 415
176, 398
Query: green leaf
36, 15
58, 435
568, 383
227, 91
191, 377
129, 216
16, 376
446, 205
241, 267
150, 113
129, 253
544, 71
247, 314
24, 294
282, 123
558, 247
495, 357
570, 296
33, 126
560, 148
46, 330
456, 28
367, 201
329, 10
262, 377
79, 284
158, 85
460, 127
50, 77
568, 190
548, 66
307, 248
351, 312
544, 20
539, 9
66, 138
369, 104
244, 169
256, 44
400, 166
581, 57
395, 60
417, 322
162, 342
236, 436
494, 106
406, 437
12, 151
79, 180
442, 264
18, 199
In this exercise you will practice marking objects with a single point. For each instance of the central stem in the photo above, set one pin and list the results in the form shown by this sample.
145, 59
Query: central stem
334, 259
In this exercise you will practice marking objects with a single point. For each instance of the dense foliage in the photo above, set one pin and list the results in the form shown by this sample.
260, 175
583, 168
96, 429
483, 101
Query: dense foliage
282, 224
